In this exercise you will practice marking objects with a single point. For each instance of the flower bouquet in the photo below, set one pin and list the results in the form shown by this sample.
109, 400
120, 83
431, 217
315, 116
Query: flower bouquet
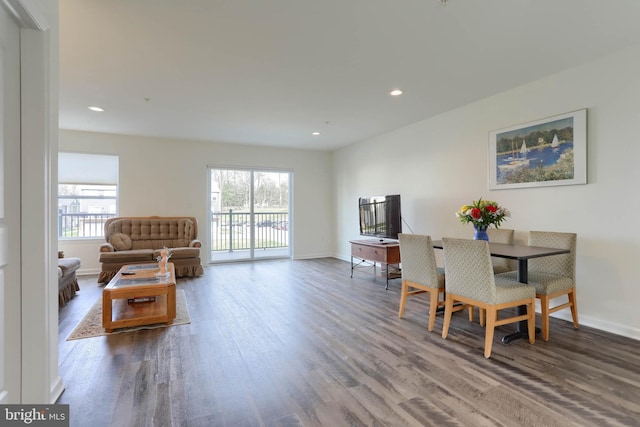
482, 214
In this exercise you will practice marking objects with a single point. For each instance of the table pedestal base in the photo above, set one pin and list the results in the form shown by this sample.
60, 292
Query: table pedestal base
517, 335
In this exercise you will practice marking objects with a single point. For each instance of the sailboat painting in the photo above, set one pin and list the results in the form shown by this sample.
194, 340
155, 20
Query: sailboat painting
544, 152
513, 162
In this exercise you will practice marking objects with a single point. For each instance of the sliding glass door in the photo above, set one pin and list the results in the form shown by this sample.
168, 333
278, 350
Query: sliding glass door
250, 214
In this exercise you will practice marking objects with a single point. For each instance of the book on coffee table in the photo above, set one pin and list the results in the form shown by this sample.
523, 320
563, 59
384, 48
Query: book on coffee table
136, 300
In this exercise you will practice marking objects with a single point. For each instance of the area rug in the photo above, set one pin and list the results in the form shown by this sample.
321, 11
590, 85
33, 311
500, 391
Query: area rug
91, 324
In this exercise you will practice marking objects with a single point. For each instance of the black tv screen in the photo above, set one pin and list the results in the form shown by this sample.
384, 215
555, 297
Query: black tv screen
380, 216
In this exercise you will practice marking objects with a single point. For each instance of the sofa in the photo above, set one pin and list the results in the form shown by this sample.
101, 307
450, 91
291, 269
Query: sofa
139, 240
67, 280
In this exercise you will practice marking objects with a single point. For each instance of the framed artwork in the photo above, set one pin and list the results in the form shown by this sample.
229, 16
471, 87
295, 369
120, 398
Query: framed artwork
545, 152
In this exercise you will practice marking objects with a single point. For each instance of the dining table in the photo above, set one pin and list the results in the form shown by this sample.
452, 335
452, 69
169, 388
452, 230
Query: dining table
521, 253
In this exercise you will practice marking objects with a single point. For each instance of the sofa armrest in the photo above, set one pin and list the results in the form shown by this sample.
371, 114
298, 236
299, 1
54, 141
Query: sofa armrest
107, 247
195, 244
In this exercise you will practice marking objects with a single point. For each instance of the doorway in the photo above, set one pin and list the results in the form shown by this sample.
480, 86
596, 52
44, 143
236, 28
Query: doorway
250, 211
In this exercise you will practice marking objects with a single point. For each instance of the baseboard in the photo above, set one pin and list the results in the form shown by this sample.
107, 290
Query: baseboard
56, 390
600, 324
341, 258
313, 256
87, 272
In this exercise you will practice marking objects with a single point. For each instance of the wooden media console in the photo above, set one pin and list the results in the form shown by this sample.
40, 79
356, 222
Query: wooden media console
375, 251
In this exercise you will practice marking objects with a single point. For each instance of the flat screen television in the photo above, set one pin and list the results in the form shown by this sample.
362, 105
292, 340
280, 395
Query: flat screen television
380, 216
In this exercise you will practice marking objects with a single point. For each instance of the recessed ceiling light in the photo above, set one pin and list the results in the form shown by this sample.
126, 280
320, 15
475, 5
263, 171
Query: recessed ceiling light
316, 133
395, 92
98, 109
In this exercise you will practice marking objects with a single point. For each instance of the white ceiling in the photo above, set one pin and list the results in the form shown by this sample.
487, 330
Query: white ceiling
270, 72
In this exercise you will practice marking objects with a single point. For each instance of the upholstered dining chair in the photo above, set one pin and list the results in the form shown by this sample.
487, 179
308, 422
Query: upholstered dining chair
421, 273
553, 276
470, 280
502, 235
500, 265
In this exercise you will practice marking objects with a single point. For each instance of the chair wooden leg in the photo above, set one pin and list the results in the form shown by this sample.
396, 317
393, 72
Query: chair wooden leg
531, 321
488, 333
574, 307
433, 307
544, 308
403, 298
470, 314
481, 314
448, 310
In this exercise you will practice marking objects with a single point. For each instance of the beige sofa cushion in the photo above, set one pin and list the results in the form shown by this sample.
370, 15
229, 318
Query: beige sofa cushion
127, 256
154, 232
179, 253
120, 241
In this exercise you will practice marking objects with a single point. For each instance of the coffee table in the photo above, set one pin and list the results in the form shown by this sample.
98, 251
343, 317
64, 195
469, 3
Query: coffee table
139, 282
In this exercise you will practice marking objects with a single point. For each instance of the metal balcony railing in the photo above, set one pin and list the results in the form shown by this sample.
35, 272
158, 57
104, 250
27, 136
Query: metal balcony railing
82, 225
231, 231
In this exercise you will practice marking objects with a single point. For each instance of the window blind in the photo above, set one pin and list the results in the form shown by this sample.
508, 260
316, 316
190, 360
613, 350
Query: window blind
80, 168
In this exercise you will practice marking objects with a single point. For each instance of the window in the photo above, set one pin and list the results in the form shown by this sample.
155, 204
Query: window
87, 194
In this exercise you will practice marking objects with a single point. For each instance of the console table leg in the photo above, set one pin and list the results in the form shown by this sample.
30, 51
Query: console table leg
384, 253
352, 266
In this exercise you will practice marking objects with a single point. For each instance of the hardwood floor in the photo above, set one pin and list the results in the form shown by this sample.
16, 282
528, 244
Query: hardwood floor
299, 343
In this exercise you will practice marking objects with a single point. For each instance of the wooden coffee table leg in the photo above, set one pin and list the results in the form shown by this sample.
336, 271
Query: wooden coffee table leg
106, 313
171, 304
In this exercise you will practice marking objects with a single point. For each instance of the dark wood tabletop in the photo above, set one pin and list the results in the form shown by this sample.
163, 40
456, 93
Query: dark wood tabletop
515, 251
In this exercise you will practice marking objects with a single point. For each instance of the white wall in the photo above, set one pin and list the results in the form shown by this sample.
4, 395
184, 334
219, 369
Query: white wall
441, 163
169, 177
